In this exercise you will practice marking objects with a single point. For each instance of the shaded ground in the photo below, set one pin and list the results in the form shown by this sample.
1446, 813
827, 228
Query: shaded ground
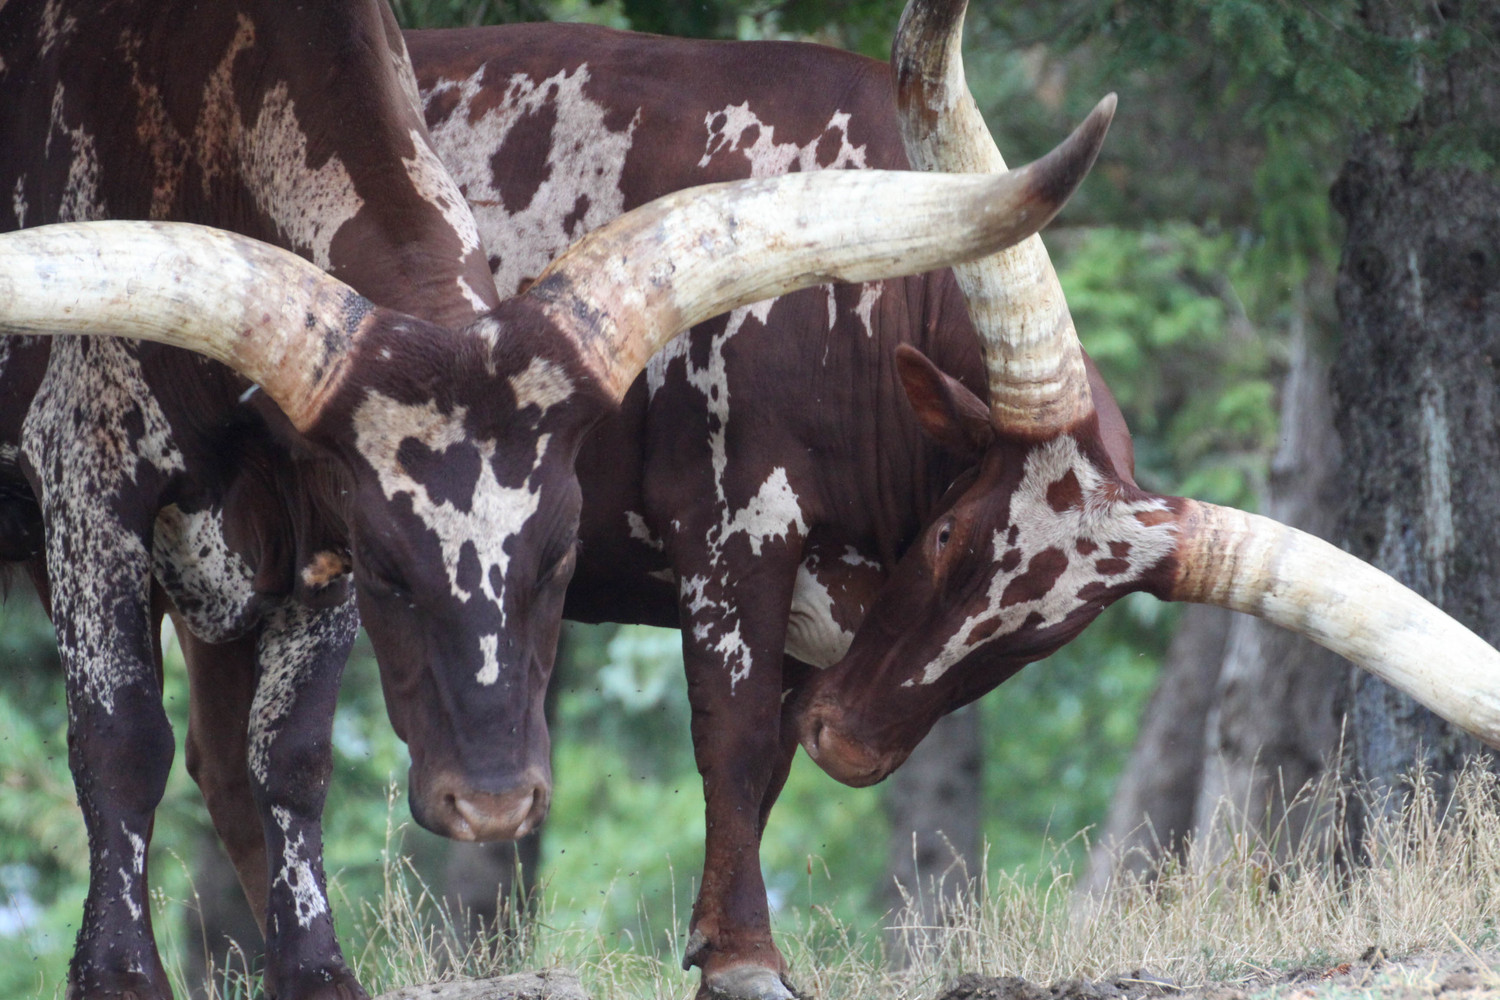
1451, 975
1447, 975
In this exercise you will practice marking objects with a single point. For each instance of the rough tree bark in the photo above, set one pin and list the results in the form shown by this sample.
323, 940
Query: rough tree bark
1417, 388
933, 802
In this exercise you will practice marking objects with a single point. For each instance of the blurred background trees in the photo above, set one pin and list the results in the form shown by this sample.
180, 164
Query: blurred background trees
1201, 262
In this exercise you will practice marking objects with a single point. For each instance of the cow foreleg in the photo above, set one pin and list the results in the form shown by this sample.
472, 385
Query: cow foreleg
120, 750
302, 653
733, 654
221, 685
97, 478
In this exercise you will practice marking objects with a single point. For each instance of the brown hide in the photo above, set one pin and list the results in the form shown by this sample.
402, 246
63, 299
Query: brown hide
764, 451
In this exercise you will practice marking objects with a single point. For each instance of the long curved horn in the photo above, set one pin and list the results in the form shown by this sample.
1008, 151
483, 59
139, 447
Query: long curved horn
1252, 564
629, 287
1038, 385
270, 315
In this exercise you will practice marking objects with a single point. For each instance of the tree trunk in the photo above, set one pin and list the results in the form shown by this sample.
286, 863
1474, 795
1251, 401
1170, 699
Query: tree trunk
933, 802
1245, 714
1419, 299
1153, 803
1275, 724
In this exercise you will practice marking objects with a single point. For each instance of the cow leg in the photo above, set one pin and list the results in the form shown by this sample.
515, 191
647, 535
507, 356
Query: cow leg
97, 454
221, 685
732, 646
302, 652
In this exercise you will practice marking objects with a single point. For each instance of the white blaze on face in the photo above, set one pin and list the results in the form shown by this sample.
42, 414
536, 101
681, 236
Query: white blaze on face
495, 514
297, 872
1103, 541
435, 186
307, 206
580, 189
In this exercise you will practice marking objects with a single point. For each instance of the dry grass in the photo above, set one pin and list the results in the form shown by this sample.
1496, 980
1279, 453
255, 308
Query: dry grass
1238, 910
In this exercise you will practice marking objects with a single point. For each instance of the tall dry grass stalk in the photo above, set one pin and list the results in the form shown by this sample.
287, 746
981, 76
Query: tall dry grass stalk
1427, 877
1239, 904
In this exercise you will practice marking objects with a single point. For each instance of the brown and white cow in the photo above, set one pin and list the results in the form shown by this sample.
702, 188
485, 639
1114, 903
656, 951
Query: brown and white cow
295, 124
774, 468
1048, 526
437, 456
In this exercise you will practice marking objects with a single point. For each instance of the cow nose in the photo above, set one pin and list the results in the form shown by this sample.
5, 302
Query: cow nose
846, 760
456, 810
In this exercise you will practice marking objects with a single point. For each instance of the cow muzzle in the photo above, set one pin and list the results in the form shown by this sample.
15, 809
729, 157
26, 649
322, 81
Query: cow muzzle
825, 736
451, 807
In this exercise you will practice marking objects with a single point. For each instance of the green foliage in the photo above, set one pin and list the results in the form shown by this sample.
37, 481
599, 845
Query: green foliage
1160, 312
471, 13
1058, 732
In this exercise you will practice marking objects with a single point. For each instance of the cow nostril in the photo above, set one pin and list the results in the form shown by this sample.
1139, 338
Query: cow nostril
520, 814
462, 825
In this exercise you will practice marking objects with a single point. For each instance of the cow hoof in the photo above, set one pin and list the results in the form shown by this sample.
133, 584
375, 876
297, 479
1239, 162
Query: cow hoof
123, 986
322, 985
745, 982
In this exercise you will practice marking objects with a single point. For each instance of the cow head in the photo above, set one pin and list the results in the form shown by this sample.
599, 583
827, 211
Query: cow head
458, 445
1047, 527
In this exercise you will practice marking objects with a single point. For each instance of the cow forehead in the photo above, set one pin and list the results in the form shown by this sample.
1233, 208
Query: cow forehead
483, 525
1067, 539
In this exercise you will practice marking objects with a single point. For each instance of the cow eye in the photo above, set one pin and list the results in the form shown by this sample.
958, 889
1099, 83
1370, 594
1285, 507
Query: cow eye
940, 539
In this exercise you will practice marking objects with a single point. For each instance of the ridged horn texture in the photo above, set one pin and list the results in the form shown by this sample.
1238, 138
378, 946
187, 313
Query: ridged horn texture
273, 317
1253, 564
628, 288
1038, 385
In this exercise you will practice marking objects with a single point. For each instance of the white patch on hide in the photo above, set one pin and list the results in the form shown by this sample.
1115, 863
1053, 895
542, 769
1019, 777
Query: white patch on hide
307, 206
641, 531
133, 875
543, 385
489, 648
771, 514
769, 158
869, 294
209, 583
435, 186
18, 202
580, 192
297, 873
296, 641
80, 198
812, 635
75, 435
54, 26
1100, 519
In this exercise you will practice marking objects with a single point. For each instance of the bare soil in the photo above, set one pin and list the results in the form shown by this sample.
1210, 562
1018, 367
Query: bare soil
1457, 975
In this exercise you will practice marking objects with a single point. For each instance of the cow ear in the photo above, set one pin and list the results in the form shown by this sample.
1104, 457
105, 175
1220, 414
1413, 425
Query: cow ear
950, 414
